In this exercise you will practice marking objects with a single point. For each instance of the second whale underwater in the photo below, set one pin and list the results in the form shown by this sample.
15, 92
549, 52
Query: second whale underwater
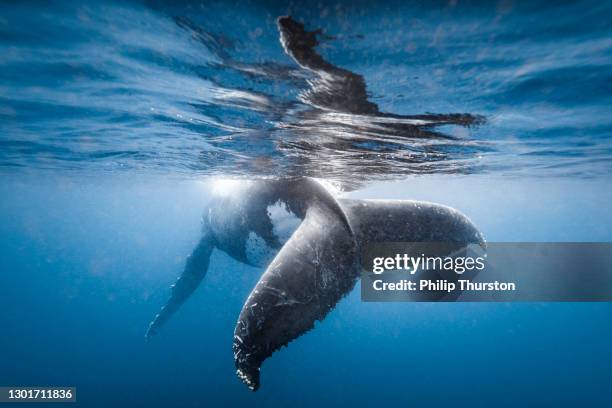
311, 244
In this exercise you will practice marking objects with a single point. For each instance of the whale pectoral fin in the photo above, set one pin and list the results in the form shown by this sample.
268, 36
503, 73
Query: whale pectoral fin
195, 270
310, 274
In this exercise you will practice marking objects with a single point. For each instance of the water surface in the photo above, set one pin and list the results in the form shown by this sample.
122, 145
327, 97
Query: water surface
199, 89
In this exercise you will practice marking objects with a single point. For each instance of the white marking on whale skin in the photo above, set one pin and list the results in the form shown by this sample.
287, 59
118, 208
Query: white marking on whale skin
284, 222
257, 251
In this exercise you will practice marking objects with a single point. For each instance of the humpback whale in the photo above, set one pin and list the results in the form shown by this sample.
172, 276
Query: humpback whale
310, 242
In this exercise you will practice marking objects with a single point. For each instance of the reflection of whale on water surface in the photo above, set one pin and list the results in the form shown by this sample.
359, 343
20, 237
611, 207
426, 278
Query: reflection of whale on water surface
333, 130
310, 243
339, 90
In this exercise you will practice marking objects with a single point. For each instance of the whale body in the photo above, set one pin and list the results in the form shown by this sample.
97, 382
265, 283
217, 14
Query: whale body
310, 243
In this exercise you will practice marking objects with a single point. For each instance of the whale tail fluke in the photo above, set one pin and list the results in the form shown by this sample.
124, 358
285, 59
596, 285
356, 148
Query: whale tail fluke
195, 270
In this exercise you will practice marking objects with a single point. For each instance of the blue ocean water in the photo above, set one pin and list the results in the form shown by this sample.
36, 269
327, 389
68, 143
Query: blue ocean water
195, 89
113, 117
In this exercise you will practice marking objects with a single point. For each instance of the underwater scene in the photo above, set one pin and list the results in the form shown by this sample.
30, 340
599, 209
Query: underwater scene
186, 188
